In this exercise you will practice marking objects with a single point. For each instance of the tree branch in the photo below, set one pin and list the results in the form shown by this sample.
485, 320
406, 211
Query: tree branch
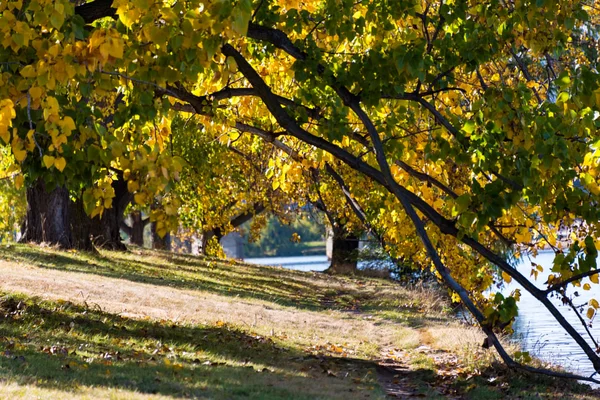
562, 284
399, 191
241, 219
95, 10
426, 178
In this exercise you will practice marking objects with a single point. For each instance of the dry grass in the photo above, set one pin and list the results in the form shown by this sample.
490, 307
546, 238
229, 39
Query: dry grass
317, 336
363, 335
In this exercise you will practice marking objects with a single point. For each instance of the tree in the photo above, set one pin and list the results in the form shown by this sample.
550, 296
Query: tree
12, 193
68, 129
470, 127
222, 185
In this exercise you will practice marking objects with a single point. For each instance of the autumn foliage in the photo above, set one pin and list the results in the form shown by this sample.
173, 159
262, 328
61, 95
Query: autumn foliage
458, 132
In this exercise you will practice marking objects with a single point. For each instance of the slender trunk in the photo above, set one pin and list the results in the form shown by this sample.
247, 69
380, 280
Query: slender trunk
137, 228
203, 242
343, 252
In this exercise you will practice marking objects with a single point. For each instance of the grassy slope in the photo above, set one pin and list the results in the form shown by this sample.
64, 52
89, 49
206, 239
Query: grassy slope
147, 324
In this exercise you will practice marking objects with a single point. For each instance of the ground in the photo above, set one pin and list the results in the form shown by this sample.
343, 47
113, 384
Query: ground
154, 325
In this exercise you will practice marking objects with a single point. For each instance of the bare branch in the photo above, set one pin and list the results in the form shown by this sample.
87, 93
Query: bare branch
426, 178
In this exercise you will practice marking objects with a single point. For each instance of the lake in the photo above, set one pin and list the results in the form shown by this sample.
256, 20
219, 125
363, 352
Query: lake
535, 327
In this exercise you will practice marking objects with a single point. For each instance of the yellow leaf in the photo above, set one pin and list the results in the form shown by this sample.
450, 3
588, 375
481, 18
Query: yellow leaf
132, 186
170, 210
105, 50
594, 303
590, 313
586, 286
162, 232
506, 277
20, 154
115, 48
97, 38
346, 141
68, 125
28, 71
97, 211
36, 92
60, 163
128, 18
19, 181
594, 278
4, 134
51, 105
139, 198
48, 161
54, 50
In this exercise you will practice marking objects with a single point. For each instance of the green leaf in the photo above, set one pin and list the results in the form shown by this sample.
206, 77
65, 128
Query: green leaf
562, 97
467, 219
57, 20
19, 39
462, 202
240, 22
563, 80
468, 127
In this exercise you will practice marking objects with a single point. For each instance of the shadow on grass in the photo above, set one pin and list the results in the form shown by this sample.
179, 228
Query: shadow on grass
65, 346
229, 278
184, 272
68, 347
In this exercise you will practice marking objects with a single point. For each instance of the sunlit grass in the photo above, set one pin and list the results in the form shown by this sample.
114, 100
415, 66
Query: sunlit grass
61, 345
146, 324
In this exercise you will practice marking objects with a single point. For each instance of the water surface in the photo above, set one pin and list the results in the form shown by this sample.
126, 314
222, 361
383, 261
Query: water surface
539, 331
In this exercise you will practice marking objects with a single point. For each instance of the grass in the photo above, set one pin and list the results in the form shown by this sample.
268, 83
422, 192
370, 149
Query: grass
60, 345
147, 324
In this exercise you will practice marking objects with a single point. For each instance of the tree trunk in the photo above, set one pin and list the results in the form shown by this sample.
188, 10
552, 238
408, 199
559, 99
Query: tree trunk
137, 228
159, 243
343, 252
106, 230
81, 226
54, 219
203, 240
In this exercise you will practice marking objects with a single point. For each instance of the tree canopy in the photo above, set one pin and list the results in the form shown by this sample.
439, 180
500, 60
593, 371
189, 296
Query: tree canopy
458, 131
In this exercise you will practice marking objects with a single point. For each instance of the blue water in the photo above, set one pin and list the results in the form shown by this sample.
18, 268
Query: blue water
302, 263
538, 330
535, 327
